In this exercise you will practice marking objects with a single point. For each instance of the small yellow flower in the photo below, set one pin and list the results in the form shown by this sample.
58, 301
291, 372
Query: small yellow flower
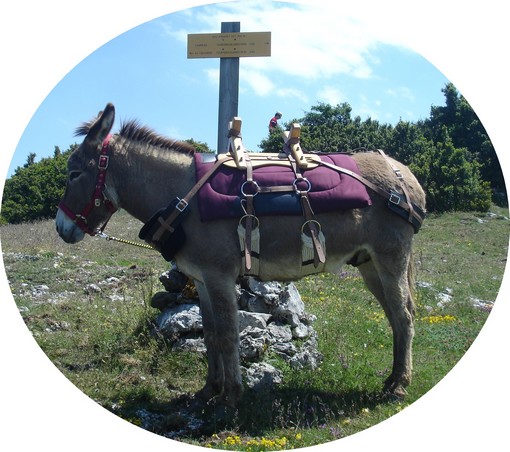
433, 319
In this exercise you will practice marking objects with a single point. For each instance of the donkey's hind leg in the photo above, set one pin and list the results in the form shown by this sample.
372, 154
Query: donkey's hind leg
388, 279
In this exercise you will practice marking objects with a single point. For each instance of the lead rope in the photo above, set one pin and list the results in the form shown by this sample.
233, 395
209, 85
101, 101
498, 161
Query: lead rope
107, 237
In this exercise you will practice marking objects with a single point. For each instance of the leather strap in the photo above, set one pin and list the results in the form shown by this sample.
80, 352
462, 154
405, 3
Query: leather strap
98, 197
388, 196
166, 223
400, 178
318, 251
319, 255
249, 215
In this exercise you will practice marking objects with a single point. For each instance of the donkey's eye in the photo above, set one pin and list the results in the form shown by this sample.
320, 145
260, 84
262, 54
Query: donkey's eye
74, 175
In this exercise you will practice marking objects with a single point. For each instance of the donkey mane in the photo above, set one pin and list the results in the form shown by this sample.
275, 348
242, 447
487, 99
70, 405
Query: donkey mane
132, 130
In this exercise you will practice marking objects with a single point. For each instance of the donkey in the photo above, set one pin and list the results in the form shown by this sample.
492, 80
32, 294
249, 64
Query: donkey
141, 172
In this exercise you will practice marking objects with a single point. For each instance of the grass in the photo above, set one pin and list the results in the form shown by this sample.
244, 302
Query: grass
88, 307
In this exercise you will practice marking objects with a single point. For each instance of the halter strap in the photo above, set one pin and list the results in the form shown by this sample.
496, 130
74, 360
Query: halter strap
98, 197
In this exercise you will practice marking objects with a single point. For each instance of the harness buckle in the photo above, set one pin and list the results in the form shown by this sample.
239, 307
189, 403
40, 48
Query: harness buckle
180, 204
394, 199
398, 173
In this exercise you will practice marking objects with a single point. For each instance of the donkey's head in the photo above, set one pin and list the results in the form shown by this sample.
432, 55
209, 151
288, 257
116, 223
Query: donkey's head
86, 205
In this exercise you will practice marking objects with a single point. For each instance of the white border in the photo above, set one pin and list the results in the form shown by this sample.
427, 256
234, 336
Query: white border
43, 40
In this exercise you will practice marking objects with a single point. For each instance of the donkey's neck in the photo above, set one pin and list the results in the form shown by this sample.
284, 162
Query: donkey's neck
147, 179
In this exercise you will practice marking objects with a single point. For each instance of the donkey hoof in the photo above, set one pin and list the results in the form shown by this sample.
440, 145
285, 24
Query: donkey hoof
395, 389
208, 393
225, 398
229, 401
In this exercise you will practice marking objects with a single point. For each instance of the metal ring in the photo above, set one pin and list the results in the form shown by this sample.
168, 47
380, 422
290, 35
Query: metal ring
255, 185
310, 221
251, 216
301, 179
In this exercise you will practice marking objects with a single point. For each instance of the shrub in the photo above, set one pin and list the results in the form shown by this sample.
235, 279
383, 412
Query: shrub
451, 181
34, 191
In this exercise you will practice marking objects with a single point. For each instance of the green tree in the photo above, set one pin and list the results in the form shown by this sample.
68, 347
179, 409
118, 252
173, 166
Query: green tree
274, 141
406, 141
451, 174
327, 128
30, 159
34, 191
451, 180
456, 120
200, 146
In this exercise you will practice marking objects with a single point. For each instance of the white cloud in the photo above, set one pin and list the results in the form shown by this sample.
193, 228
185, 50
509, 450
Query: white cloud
308, 43
289, 93
368, 108
330, 95
258, 81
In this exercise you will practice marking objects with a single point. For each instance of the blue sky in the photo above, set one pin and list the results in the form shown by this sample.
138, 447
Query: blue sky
317, 56
43, 40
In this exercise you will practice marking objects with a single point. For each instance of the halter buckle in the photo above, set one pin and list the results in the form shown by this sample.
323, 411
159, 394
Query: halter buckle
104, 160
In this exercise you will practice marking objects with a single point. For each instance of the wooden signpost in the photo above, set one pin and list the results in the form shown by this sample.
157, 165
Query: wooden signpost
229, 46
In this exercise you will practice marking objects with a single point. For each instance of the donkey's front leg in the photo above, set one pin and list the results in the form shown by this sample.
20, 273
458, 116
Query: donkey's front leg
221, 334
215, 375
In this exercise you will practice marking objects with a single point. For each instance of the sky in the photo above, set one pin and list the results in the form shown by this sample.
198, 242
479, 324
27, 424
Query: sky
316, 57
364, 52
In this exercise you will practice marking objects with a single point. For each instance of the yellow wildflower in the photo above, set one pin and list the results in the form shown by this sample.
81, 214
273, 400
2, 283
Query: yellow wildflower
433, 319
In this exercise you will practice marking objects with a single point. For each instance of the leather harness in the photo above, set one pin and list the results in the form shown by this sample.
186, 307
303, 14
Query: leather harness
399, 203
98, 197
170, 218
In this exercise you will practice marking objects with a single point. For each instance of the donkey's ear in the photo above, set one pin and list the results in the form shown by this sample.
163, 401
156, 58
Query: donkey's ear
101, 127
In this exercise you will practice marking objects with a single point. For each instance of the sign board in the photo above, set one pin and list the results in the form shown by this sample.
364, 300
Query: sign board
229, 45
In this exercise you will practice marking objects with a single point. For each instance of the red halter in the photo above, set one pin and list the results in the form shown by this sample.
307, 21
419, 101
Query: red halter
98, 197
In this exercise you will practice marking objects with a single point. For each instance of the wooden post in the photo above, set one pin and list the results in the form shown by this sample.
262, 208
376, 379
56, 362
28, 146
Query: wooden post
228, 45
229, 90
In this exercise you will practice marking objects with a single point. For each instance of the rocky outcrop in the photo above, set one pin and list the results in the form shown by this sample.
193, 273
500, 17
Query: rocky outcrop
272, 320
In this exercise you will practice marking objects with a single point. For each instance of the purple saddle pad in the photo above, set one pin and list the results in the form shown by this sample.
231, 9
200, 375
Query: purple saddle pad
220, 196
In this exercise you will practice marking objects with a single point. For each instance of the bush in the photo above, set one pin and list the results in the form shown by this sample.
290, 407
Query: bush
451, 181
35, 190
